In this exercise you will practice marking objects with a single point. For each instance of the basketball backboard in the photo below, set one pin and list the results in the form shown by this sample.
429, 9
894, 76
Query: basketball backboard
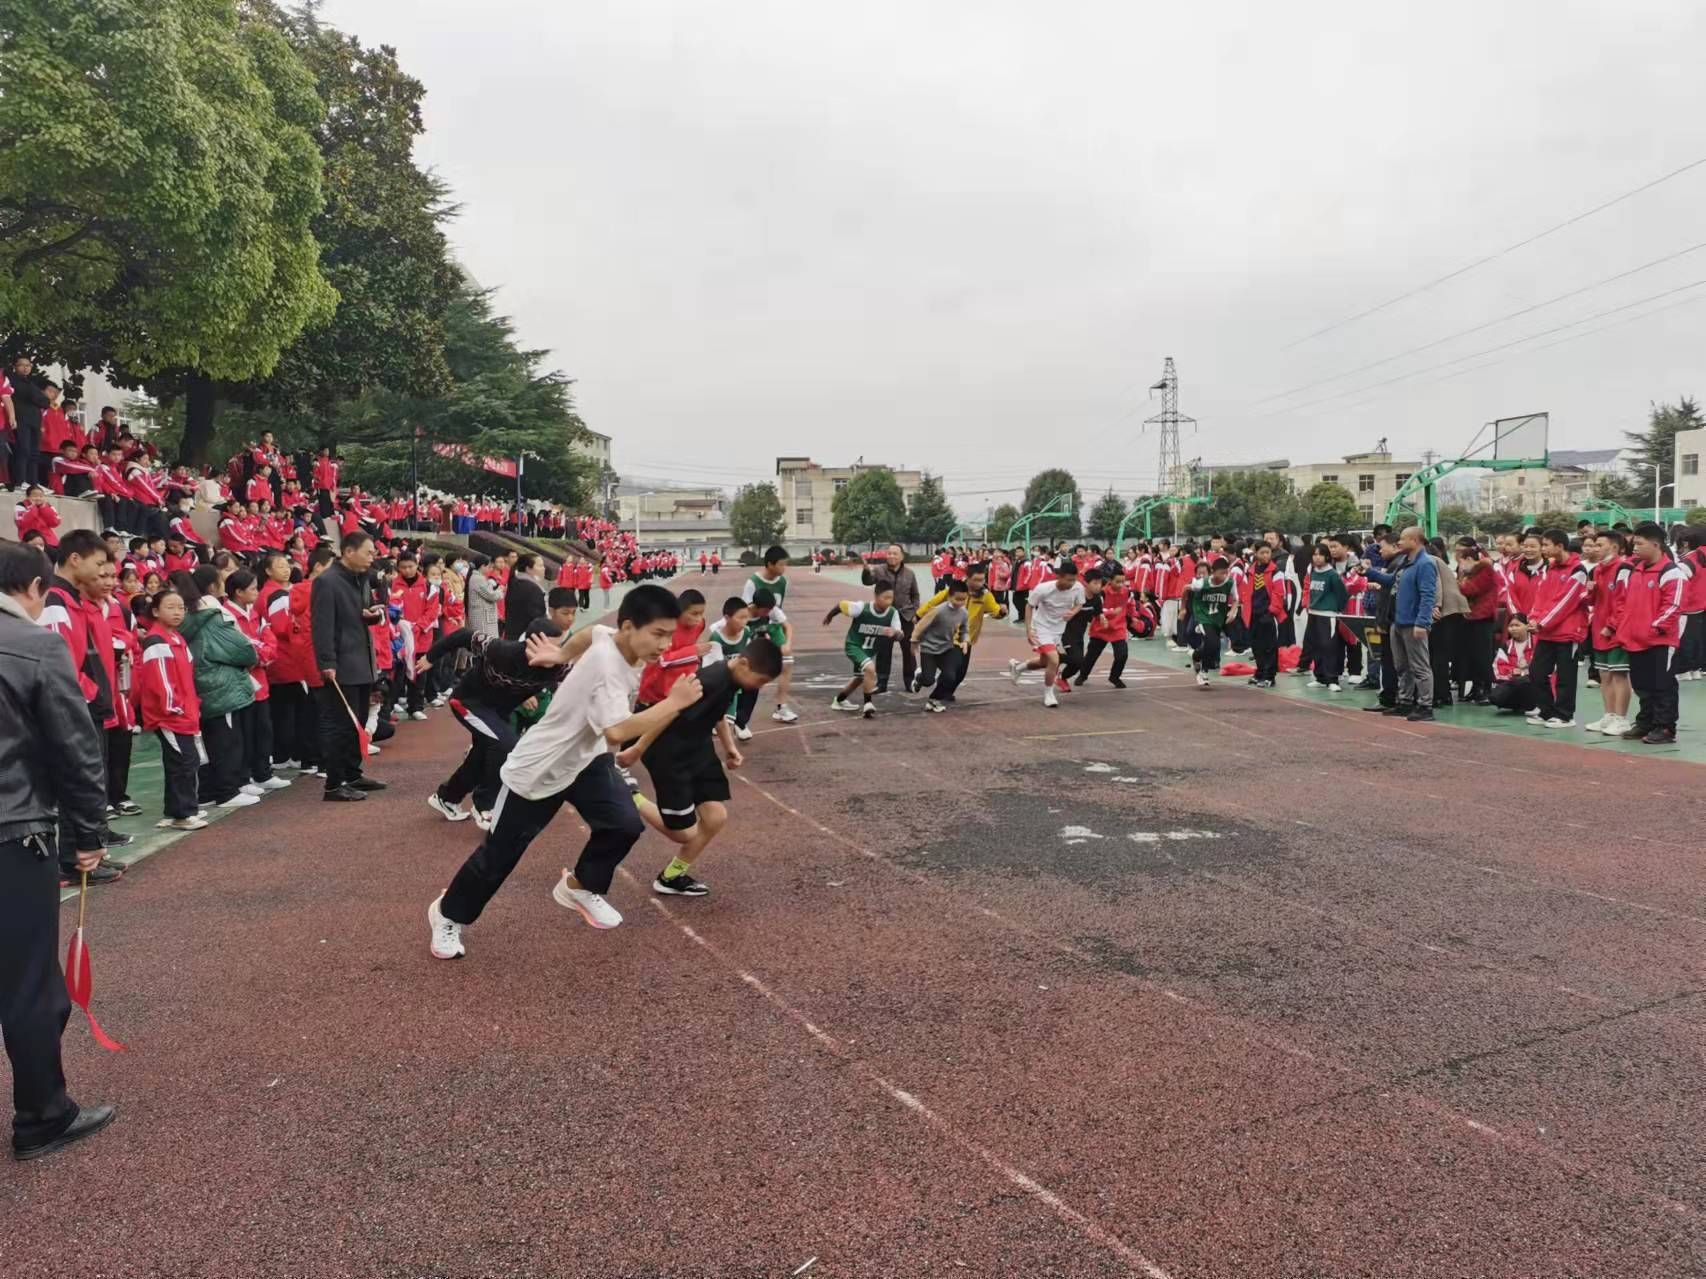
1522, 439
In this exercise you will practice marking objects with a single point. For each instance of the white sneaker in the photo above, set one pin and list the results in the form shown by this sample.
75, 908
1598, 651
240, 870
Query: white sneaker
274, 783
783, 714
253, 788
1533, 714
311, 770
836, 704
288, 763
592, 907
1049, 699
1557, 721
446, 933
1617, 725
483, 820
742, 734
183, 823
1014, 669
868, 711
932, 705
417, 715
240, 800
372, 749
445, 809
1202, 679
1599, 725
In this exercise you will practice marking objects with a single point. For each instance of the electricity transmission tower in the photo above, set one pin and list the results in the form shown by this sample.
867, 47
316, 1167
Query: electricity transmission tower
1168, 421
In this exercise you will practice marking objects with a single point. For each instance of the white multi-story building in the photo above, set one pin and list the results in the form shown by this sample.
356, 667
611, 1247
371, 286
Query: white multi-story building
1372, 479
593, 444
1690, 480
808, 493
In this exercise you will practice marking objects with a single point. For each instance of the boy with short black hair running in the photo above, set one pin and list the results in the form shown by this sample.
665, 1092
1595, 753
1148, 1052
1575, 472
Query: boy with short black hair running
773, 580
1210, 601
944, 647
869, 623
692, 789
731, 636
566, 759
1050, 607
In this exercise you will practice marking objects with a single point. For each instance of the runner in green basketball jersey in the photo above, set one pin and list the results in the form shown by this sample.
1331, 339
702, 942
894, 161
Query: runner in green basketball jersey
869, 623
731, 637
1211, 607
773, 578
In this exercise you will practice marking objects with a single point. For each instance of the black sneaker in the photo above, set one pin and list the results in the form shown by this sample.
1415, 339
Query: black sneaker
1400, 709
1659, 737
1637, 732
118, 839
1379, 708
126, 808
1421, 715
682, 885
1117, 683
1370, 686
343, 795
364, 784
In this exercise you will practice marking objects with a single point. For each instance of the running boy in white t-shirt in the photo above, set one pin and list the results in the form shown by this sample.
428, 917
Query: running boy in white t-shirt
1046, 615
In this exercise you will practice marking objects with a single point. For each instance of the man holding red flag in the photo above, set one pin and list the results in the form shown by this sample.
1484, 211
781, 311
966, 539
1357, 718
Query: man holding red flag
50, 772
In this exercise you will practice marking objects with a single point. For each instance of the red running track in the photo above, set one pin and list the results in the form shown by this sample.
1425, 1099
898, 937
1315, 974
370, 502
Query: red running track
1160, 983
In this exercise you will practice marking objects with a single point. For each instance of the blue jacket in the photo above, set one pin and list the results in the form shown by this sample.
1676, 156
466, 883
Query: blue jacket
1418, 589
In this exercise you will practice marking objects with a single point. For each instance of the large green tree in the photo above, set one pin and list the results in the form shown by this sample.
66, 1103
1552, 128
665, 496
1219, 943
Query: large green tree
159, 179
1329, 508
1105, 517
1001, 519
929, 518
1045, 486
756, 518
1248, 502
869, 509
1655, 448
1454, 520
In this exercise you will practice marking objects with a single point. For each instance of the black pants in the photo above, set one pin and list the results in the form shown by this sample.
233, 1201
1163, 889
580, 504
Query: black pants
1476, 651
118, 765
26, 455
1514, 695
1019, 599
1264, 645
746, 701
1093, 650
942, 673
1554, 656
1353, 657
221, 776
1445, 648
33, 1003
1388, 671
1652, 676
885, 655
1326, 649
1691, 654
284, 703
67, 838
597, 794
180, 757
323, 505
1071, 655
254, 729
340, 748
492, 736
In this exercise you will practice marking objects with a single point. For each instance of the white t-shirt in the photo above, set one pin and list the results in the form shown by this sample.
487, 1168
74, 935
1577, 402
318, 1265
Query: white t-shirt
1050, 605
596, 695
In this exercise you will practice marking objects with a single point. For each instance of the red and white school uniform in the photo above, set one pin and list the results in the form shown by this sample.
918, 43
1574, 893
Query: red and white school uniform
43, 519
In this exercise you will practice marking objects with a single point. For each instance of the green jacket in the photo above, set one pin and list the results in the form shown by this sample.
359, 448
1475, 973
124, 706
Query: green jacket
222, 656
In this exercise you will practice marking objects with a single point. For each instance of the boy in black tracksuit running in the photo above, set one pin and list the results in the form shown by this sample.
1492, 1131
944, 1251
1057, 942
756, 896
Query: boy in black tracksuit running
1072, 642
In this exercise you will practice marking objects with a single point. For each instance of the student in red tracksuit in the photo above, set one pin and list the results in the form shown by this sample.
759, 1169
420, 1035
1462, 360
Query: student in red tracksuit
1110, 627
1523, 574
1649, 631
1261, 606
112, 628
235, 534
170, 708
1608, 589
254, 721
1512, 689
36, 514
1691, 653
1560, 618
285, 688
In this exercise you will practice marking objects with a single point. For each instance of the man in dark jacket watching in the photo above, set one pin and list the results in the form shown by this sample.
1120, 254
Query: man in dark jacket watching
343, 609
524, 601
29, 402
50, 766
893, 574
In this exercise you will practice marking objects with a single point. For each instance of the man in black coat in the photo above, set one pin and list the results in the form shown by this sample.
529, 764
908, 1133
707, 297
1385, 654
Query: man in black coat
29, 402
50, 770
894, 575
524, 601
343, 609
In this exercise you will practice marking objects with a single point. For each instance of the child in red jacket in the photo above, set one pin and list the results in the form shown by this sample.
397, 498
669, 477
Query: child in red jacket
36, 514
170, 708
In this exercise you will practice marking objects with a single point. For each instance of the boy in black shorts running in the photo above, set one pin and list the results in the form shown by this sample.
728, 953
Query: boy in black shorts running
692, 789
868, 623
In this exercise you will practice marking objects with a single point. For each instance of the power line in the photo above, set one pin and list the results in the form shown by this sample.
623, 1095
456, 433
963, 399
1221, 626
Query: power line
1444, 364
1451, 337
1493, 257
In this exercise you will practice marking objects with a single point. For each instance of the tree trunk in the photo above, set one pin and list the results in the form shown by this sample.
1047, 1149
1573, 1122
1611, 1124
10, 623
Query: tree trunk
201, 401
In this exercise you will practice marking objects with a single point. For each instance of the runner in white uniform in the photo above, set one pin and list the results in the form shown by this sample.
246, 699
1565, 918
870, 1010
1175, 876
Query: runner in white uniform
1046, 614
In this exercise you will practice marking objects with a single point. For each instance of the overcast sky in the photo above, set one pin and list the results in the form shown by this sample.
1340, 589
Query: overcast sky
964, 235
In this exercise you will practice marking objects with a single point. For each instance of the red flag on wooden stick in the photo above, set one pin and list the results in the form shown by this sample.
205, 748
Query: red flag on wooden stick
79, 981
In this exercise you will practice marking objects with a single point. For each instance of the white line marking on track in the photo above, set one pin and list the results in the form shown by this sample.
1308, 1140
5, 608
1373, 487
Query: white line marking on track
1086, 1226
